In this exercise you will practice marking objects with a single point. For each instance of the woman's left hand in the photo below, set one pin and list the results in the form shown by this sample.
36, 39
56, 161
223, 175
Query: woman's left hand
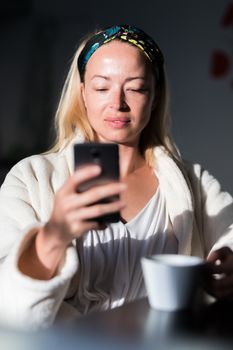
220, 268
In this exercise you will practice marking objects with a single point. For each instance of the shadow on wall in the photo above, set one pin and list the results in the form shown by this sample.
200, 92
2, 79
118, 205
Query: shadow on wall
25, 123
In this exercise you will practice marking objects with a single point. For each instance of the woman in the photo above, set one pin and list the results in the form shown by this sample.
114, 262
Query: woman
56, 260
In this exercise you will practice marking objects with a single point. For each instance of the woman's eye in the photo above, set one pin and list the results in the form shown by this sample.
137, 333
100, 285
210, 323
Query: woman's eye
101, 89
139, 90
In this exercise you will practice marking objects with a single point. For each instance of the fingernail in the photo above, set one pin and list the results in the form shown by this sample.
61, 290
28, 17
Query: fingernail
96, 169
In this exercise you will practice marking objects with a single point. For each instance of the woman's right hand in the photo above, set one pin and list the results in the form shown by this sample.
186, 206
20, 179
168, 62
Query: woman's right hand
70, 219
73, 211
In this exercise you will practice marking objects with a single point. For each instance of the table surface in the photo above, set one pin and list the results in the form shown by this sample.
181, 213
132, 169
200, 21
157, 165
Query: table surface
135, 326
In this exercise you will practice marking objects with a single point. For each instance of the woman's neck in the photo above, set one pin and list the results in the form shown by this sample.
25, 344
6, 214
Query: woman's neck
130, 160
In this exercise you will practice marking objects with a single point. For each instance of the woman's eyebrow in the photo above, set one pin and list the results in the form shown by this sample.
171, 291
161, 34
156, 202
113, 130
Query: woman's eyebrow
100, 76
135, 78
127, 79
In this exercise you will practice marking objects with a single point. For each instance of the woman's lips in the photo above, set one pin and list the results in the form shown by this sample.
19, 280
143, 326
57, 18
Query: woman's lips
118, 123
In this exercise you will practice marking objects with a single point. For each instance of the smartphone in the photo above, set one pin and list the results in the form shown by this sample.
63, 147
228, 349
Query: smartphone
106, 155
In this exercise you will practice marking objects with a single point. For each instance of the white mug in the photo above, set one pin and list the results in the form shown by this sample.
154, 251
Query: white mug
172, 281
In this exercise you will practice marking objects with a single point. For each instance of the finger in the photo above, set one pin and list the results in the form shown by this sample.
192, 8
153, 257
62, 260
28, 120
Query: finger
223, 268
79, 176
98, 193
224, 262
219, 254
223, 294
226, 293
221, 288
98, 210
78, 229
215, 267
79, 200
219, 282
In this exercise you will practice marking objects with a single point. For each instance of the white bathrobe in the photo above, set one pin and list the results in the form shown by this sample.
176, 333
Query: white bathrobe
200, 214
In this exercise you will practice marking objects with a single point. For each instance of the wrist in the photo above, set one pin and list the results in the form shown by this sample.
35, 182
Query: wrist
42, 257
48, 245
54, 236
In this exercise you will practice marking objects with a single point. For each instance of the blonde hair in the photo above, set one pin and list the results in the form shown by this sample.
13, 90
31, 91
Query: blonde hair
71, 115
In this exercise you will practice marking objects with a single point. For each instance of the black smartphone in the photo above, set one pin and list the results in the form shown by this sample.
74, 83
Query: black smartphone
106, 155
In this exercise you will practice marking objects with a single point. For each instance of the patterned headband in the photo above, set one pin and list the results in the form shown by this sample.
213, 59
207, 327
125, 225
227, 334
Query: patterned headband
127, 33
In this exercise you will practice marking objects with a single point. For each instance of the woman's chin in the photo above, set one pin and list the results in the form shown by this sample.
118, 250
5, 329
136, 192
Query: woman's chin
117, 136
120, 141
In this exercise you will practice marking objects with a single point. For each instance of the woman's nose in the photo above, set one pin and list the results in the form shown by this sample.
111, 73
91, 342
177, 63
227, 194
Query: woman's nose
118, 100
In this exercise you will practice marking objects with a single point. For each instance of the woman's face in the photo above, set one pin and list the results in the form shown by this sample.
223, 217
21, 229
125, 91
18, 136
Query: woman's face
118, 93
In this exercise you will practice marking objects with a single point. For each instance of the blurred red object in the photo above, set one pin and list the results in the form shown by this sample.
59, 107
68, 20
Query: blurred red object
220, 64
227, 19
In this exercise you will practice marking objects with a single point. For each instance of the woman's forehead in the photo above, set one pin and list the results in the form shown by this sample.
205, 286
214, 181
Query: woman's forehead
118, 53
117, 46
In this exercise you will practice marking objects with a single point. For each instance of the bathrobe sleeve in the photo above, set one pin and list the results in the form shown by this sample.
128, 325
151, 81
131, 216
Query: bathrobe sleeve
213, 209
26, 199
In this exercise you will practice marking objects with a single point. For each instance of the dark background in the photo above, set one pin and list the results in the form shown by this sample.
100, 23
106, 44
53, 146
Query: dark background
39, 37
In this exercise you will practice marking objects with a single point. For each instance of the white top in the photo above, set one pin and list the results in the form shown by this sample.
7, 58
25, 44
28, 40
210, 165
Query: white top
104, 284
201, 216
